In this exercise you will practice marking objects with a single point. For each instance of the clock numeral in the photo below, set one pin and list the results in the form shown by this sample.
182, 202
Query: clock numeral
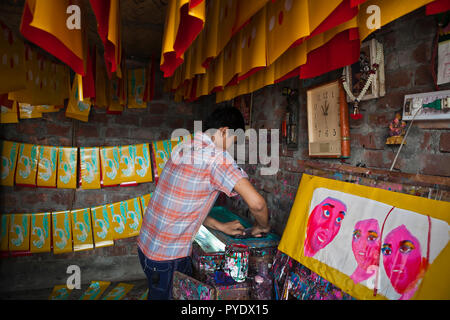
320, 131
334, 132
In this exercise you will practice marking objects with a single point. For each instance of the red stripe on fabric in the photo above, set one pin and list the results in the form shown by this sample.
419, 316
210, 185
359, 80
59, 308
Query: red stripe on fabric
89, 79
171, 63
249, 73
293, 73
344, 12
188, 30
50, 43
355, 3
194, 3
437, 6
101, 11
336, 53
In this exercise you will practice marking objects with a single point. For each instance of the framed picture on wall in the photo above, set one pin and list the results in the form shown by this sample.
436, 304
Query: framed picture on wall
244, 104
428, 106
358, 73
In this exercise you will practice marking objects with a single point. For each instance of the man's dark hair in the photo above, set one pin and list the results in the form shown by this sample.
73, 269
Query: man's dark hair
227, 116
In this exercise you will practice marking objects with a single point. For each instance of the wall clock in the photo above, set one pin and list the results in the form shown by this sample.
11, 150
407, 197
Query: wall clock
328, 129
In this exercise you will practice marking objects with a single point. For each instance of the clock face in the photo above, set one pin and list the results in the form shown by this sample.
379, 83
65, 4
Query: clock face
323, 120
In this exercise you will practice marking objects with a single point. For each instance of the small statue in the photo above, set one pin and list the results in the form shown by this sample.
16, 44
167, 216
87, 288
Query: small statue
396, 130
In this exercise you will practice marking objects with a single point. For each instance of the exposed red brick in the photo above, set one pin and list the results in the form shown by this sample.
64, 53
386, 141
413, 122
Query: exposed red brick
399, 79
152, 121
87, 131
57, 129
158, 108
435, 164
423, 75
444, 142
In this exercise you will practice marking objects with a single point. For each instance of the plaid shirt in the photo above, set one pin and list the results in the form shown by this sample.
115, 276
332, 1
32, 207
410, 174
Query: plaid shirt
187, 189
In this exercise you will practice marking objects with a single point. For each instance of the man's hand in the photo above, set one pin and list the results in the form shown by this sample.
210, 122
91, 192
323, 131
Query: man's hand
232, 228
257, 231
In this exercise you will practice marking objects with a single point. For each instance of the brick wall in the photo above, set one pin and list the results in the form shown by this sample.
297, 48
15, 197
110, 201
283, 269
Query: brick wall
115, 263
408, 45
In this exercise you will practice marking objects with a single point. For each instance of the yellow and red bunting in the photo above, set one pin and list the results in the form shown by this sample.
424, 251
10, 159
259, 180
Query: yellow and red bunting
107, 13
44, 24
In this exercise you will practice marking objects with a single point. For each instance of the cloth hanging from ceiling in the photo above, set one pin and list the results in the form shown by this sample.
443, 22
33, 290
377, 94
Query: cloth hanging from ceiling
301, 38
44, 24
438, 7
12, 65
184, 21
109, 29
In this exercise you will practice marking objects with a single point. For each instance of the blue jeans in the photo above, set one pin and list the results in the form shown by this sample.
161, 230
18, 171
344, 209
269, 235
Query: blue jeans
160, 275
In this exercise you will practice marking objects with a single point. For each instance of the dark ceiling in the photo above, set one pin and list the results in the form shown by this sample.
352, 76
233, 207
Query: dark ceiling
142, 22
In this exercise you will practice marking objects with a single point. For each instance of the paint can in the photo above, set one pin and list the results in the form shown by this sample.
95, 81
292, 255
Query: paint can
236, 261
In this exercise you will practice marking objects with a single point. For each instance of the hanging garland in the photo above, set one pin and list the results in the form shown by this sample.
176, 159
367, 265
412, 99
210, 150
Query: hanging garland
356, 100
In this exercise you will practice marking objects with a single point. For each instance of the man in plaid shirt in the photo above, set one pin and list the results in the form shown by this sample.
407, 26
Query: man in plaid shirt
187, 189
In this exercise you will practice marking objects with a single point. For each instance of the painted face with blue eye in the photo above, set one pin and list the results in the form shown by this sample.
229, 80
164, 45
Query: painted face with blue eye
323, 224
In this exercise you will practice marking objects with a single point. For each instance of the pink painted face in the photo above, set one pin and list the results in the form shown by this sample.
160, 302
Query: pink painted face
401, 258
323, 225
366, 243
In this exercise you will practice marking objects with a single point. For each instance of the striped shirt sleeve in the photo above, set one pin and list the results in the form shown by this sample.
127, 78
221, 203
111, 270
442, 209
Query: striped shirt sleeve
225, 175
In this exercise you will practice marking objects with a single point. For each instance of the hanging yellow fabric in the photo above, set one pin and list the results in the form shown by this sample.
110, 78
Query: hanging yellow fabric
101, 225
143, 166
145, 199
67, 168
216, 74
40, 232
136, 87
183, 24
132, 210
62, 232
9, 115
19, 232
245, 11
78, 108
253, 45
90, 168
44, 22
289, 21
4, 231
27, 111
82, 229
227, 18
232, 56
10, 150
211, 32
27, 160
389, 11
116, 102
101, 83
127, 164
31, 91
47, 166
110, 163
12, 64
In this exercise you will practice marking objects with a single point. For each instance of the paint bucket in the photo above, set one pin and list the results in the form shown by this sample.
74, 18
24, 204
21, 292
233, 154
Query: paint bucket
236, 261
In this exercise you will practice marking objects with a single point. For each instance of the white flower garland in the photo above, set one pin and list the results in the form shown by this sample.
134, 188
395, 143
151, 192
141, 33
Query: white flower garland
369, 80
